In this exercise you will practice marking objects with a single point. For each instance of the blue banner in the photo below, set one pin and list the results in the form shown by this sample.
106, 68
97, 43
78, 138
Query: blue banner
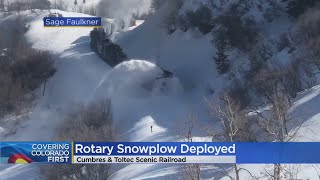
284, 153
154, 148
72, 22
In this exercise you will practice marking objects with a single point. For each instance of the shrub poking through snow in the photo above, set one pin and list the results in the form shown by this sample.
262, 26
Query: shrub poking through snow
92, 122
32, 69
22, 69
88, 123
22, 74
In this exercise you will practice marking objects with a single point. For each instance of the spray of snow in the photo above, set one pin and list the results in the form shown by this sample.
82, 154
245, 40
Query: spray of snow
139, 79
123, 10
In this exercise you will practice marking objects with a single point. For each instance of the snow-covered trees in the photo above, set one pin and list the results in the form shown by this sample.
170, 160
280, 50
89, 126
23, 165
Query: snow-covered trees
221, 58
201, 18
240, 32
309, 29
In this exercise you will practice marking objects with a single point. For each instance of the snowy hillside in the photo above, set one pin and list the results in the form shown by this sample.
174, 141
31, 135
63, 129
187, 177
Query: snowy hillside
189, 54
79, 72
142, 99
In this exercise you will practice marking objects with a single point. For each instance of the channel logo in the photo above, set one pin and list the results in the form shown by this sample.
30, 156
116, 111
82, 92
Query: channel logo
16, 155
35, 152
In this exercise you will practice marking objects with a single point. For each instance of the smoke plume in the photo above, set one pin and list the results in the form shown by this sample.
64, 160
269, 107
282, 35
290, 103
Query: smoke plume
123, 10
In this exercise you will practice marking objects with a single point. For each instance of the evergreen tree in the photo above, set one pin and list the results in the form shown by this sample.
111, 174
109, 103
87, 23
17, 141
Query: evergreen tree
75, 2
296, 7
221, 59
84, 1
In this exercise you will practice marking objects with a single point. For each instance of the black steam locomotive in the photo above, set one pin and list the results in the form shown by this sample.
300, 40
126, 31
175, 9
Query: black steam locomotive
110, 52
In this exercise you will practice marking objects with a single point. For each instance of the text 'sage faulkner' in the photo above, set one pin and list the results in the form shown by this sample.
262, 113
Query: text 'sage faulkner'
72, 22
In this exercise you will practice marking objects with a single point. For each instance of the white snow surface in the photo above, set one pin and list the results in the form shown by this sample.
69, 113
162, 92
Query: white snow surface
79, 72
139, 99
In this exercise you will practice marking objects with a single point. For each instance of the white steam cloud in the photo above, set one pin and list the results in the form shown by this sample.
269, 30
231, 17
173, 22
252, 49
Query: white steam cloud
123, 9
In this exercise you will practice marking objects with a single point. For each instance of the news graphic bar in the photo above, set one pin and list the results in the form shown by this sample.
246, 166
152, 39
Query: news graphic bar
35, 152
159, 152
89, 22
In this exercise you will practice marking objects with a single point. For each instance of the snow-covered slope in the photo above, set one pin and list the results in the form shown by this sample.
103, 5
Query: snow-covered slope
189, 56
81, 77
139, 99
79, 71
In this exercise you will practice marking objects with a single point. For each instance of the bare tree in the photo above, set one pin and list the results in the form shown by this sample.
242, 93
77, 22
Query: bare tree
281, 171
308, 26
276, 121
233, 119
234, 126
189, 171
272, 86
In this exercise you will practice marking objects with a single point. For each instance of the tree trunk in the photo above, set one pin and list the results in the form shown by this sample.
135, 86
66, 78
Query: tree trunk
237, 172
277, 172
